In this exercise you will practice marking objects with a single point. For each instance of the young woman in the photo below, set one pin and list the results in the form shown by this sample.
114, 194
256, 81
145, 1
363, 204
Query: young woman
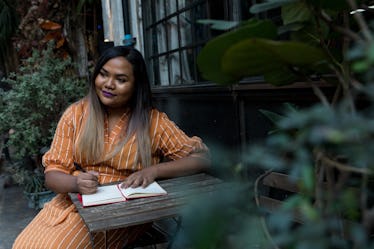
114, 134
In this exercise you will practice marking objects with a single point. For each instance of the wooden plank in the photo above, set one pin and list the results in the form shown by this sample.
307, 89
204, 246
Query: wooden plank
174, 190
272, 205
138, 211
280, 181
283, 182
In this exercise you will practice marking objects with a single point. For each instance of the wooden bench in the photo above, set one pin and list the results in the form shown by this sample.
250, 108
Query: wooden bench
275, 188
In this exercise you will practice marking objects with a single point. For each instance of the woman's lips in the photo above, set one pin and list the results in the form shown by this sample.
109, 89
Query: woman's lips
107, 94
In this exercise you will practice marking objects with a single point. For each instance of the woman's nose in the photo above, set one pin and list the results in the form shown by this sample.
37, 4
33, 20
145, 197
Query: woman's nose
109, 83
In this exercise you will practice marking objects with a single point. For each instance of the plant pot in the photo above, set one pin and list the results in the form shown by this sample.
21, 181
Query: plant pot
38, 199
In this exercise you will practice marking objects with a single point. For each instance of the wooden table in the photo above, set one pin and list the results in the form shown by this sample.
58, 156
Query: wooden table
144, 210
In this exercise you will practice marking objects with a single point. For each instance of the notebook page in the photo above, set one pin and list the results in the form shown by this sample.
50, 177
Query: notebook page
104, 194
152, 189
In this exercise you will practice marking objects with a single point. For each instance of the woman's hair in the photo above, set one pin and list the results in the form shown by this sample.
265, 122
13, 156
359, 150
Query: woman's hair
91, 141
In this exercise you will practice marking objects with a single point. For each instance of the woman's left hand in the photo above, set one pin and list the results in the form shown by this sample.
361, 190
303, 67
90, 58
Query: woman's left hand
142, 178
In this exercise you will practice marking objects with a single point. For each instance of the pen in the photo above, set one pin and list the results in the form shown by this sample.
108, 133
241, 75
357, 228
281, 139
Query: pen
79, 167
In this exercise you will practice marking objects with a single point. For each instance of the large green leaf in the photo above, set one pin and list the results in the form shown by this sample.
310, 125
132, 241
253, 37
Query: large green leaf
280, 76
296, 13
209, 60
273, 59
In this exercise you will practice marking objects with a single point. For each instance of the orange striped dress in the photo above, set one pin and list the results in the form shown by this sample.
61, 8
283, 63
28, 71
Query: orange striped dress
58, 225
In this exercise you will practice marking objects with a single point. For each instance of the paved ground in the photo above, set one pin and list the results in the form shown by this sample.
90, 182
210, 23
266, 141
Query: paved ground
14, 214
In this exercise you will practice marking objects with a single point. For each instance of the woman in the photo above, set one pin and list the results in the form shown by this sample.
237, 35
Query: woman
113, 134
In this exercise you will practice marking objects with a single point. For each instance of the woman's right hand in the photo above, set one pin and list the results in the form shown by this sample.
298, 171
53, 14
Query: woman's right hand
87, 182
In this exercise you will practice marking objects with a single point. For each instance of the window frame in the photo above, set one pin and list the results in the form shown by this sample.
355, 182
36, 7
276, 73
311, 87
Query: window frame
183, 71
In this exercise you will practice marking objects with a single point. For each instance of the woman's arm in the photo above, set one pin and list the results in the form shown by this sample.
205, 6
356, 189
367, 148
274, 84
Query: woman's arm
188, 155
194, 163
84, 183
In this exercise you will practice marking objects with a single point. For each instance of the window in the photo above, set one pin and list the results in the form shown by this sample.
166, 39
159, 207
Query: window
173, 38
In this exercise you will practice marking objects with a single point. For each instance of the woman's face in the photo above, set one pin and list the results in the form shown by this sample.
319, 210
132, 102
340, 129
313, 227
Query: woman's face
115, 83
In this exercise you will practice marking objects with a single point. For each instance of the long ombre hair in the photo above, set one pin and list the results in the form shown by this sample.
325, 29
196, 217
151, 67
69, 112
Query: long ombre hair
90, 142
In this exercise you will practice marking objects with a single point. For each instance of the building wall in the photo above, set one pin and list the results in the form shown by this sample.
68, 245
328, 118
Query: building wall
228, 118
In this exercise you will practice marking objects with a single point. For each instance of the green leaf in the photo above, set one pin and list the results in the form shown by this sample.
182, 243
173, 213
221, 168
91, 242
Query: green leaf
269, 5
219, 24
274, 59
296, 13
290, 28
210, 58
360, 66
292, 202
272, 116
280, 76
309, 211
307, 181
311, 33
290, 108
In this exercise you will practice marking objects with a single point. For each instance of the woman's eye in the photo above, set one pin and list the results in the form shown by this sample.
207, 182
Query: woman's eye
122, 80
103, 74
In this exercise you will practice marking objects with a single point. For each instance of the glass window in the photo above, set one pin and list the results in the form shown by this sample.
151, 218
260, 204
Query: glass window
173, 38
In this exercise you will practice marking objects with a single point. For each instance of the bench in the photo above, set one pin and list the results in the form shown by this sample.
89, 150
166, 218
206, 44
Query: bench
274, 188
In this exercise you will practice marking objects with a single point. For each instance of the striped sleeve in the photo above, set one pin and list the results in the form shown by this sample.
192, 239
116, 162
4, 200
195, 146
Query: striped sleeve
60, 155
172, 141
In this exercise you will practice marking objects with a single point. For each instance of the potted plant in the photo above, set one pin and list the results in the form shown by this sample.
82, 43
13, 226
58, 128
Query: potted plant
32, 183
40, 91
327, 149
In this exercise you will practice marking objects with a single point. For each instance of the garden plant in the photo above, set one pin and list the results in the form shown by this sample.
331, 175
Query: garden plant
327, 149
40, 90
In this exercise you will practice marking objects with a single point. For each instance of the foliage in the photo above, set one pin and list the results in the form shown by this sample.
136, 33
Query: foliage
39, 23
326, 148
31, 181
41, 90
316, 30
322, 145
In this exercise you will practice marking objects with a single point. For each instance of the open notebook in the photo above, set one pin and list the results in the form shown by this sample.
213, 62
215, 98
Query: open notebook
114, 193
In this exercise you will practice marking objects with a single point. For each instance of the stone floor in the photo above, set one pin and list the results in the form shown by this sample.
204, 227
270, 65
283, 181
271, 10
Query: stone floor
14, 213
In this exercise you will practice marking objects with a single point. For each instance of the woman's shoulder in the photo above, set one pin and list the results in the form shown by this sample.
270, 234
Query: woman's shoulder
157, 115
160, 120
77, 108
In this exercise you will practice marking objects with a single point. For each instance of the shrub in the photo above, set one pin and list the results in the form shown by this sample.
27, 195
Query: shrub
40, 91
